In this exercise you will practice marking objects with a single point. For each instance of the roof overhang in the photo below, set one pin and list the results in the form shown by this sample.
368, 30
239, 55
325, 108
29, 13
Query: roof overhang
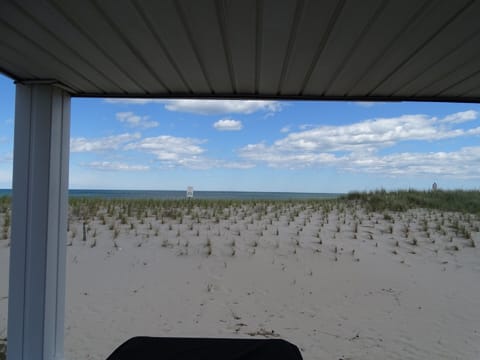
370, 50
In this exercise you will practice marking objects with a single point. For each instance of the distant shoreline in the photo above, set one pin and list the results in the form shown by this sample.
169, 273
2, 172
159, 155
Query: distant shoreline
181, 194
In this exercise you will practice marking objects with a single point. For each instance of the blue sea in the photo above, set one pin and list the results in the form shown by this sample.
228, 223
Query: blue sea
179, 194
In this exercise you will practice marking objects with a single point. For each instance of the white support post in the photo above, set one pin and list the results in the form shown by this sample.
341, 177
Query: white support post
39, 223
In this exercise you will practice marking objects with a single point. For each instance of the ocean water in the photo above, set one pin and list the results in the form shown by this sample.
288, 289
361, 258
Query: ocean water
178, 194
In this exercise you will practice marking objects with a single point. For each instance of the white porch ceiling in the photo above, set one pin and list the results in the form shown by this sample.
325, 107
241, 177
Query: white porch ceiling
291, 49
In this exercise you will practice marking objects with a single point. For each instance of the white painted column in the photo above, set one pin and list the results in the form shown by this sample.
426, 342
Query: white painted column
39, 223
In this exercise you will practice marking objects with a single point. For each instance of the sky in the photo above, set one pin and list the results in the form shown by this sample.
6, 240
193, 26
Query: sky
233, 145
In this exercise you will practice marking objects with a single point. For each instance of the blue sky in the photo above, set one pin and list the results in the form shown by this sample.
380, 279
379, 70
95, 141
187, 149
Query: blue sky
263, 145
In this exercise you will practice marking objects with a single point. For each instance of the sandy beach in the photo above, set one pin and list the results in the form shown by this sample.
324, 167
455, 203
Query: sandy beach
336, 279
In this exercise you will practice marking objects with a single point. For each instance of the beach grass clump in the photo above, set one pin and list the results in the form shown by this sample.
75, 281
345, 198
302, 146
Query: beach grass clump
452, 248
84, 231
424, 224
466, 234
208, 247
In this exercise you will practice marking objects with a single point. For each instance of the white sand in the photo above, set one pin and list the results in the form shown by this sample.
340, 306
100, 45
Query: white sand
357, 295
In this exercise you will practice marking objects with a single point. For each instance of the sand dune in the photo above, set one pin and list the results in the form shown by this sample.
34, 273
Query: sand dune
336, 280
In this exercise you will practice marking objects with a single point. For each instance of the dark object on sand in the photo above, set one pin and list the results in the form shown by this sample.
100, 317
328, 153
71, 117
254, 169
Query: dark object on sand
156, 348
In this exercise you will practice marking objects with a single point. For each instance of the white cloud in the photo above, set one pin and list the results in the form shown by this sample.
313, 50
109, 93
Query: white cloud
366, 104
170, 151
134, 120
208, 106
114, 142
274, 158
174, 152
460, 117
228, 125
115, 166
355, 147
169, 148
285, 129
473, 131
204, 163
462, 163
370, 135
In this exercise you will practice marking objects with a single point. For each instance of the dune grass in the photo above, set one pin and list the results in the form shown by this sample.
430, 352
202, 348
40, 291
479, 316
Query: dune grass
180, 210
453, 200
119, 211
